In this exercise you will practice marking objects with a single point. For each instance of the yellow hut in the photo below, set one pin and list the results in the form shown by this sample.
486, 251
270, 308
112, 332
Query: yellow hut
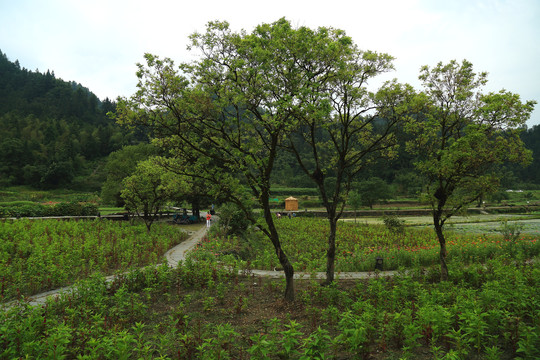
291, 204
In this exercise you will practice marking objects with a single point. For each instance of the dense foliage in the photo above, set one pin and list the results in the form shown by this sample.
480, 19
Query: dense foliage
47, 254
202, 311
51, 131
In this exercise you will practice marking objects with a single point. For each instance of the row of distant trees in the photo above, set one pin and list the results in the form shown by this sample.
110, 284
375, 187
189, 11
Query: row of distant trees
226, 119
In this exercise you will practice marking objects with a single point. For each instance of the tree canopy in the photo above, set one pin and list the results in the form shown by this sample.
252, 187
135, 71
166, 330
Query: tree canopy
461, 135
225, 122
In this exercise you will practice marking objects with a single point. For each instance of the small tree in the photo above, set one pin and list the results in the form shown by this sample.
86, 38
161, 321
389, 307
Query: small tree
346, 128
461, 136
372, 190
121, 164
148, 189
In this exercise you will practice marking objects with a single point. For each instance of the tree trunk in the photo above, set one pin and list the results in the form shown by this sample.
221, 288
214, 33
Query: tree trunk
148, 224
147, 218
442, 243
331, 253
195, 210
282, 257
289, 275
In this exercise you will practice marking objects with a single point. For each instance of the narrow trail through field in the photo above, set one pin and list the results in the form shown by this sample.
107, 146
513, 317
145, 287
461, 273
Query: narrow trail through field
173, 256
178, 254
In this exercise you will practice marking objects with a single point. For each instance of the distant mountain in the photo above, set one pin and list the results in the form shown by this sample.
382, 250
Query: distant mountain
51, 131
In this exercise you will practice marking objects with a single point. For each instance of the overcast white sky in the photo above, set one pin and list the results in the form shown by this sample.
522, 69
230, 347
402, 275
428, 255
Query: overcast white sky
98, 42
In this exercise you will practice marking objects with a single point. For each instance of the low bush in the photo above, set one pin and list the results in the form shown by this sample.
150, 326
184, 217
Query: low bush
18, 209
21, 209
394, 224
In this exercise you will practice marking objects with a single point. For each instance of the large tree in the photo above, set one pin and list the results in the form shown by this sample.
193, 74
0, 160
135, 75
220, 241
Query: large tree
460, 137
356, 129
226, 119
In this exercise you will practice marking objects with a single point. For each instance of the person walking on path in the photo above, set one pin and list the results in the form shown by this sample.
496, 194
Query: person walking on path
208, 218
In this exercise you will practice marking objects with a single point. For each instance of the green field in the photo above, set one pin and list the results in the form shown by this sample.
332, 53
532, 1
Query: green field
201, 310
359, 244
488, 309
36, 256
478, 224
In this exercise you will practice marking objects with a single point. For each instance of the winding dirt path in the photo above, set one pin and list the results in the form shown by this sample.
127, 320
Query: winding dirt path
177, 254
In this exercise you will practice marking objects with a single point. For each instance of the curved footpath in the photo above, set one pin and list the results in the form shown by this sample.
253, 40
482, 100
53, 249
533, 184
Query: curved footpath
178, 254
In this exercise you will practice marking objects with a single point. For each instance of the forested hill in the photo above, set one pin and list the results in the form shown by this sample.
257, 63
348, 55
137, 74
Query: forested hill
55, 133
531, 174
52, 132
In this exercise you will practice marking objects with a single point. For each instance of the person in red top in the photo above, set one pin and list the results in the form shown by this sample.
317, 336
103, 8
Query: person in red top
208, 217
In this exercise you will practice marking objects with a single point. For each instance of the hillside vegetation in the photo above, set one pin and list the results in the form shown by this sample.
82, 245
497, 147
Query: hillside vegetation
53, 133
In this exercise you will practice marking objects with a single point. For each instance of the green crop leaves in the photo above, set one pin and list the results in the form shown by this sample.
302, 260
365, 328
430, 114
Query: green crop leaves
42, 255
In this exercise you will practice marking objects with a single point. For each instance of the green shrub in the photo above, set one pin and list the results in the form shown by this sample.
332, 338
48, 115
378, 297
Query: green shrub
394, 224
89, 209
233, 221
30, 209
21, 209
67, 209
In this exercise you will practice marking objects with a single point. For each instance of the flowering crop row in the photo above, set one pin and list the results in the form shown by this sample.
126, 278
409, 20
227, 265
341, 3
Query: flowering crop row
41, 255
358, 245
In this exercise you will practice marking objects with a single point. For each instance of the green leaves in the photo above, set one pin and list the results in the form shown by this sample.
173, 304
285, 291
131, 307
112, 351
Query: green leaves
147, 190
461, 133
504, 110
